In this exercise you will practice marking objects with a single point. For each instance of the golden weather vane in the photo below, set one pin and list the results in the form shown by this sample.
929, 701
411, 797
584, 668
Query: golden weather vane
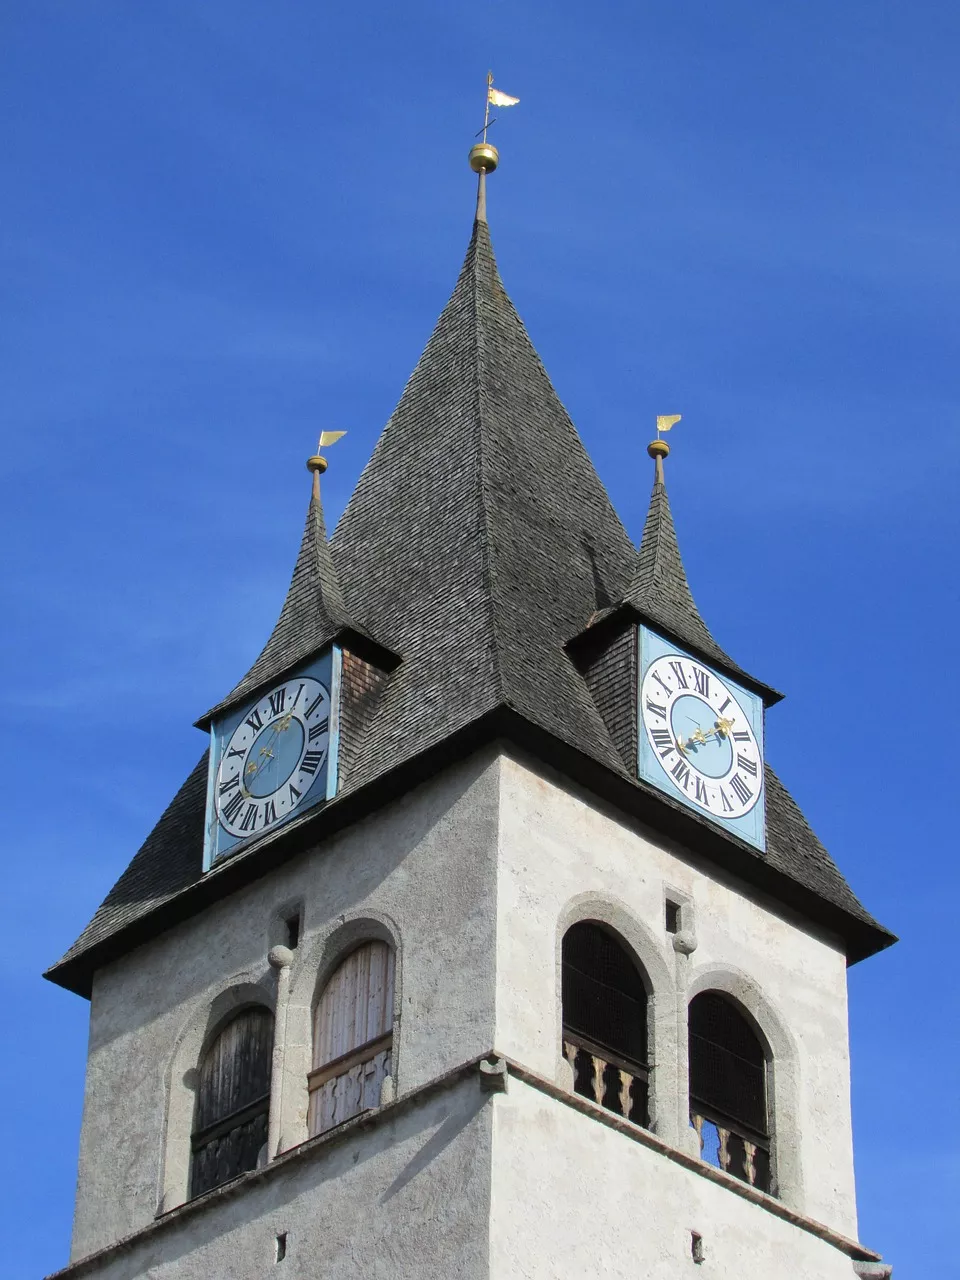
658, 449
484, 156
318, 464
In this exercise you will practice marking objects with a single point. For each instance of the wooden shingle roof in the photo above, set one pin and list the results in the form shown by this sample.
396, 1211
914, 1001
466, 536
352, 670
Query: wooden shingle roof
478, 542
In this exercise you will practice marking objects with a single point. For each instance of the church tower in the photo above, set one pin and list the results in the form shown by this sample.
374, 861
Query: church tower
483, 941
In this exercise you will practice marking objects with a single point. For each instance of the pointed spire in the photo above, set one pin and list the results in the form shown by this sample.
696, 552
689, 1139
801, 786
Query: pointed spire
314, 614
660, 591
479, 536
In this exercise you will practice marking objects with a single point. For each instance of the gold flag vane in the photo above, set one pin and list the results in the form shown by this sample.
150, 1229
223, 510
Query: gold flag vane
658, 449
318, 464
484, 156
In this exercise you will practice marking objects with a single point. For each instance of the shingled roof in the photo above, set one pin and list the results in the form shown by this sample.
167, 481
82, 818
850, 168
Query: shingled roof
479, 539
660, 593
312, 618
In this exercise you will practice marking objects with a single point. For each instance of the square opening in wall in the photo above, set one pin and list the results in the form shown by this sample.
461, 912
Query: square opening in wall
672, 916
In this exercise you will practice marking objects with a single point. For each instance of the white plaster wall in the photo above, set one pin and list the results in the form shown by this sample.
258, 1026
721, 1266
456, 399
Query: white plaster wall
407, 1197
473, 876
421, 872
561, 858
570, 1197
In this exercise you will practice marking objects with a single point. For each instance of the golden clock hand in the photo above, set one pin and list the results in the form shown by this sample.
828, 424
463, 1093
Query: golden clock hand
280, 727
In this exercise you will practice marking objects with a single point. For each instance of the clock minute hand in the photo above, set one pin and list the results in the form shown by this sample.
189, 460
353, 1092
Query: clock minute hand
280, 727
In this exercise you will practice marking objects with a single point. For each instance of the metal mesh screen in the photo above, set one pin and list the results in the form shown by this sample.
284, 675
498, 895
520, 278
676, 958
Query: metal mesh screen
604, 999
727, 1063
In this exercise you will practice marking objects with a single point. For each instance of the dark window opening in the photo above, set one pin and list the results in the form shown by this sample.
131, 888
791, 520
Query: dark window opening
672, 916
696, 1247
233, 1101
605, 1022
292, 927
728, 1098
281, 1252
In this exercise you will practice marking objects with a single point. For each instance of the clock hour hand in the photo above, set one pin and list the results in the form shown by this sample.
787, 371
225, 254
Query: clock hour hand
701, 737
265, 751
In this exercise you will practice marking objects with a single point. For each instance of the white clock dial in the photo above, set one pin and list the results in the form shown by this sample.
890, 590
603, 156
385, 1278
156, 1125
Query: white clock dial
702, 736
274, 757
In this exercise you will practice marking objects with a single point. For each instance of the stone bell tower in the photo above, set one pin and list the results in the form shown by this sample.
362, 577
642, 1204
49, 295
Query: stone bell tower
483, 940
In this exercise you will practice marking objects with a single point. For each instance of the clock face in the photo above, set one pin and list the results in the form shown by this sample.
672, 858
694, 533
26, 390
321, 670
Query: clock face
701, 738
273, 758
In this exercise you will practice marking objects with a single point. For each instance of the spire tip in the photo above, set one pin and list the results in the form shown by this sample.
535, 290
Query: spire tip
659, 449
317, 463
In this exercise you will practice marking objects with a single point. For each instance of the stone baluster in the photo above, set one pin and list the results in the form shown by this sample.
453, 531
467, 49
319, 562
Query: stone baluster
626, 1080
599, 1067
697, 1122
749, 1154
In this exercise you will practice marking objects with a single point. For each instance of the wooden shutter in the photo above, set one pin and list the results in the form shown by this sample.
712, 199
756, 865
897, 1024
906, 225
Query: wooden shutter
353, 1037
233, 1100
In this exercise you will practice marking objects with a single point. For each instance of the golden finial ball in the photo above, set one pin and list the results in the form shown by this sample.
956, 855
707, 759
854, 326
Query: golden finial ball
316, 463
484, 157
658, 448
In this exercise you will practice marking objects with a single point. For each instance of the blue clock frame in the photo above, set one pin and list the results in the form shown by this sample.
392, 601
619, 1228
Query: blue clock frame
221, 839
701, 771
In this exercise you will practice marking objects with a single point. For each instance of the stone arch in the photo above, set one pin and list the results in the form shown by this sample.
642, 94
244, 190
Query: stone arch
783, 1067
315, 963
650, 957
197, 1034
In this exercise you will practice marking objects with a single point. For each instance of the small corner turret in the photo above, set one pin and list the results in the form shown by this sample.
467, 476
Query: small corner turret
274, 740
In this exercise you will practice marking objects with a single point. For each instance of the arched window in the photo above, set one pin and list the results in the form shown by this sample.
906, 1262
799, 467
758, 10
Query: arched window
605, 1021
233, 1101
728, 1089
352, 1037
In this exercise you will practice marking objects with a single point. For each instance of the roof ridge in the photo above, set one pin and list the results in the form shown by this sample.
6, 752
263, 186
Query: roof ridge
486, 560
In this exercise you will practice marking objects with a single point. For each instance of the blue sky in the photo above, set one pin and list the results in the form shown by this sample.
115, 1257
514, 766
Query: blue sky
231, 224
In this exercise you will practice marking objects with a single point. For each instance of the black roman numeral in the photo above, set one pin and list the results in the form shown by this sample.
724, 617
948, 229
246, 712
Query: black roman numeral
678, 672
741, 736
269, 813
255, 721
234, 751
312, 761
294, 794
277, 700
656, 708
663, 741
727, 806
681, 771
740, 789
701, 792
249, 822
319, 729
701, 681
726, 703
226, 787
748, 766
297, 698
233, 806
313, 705
663, 685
